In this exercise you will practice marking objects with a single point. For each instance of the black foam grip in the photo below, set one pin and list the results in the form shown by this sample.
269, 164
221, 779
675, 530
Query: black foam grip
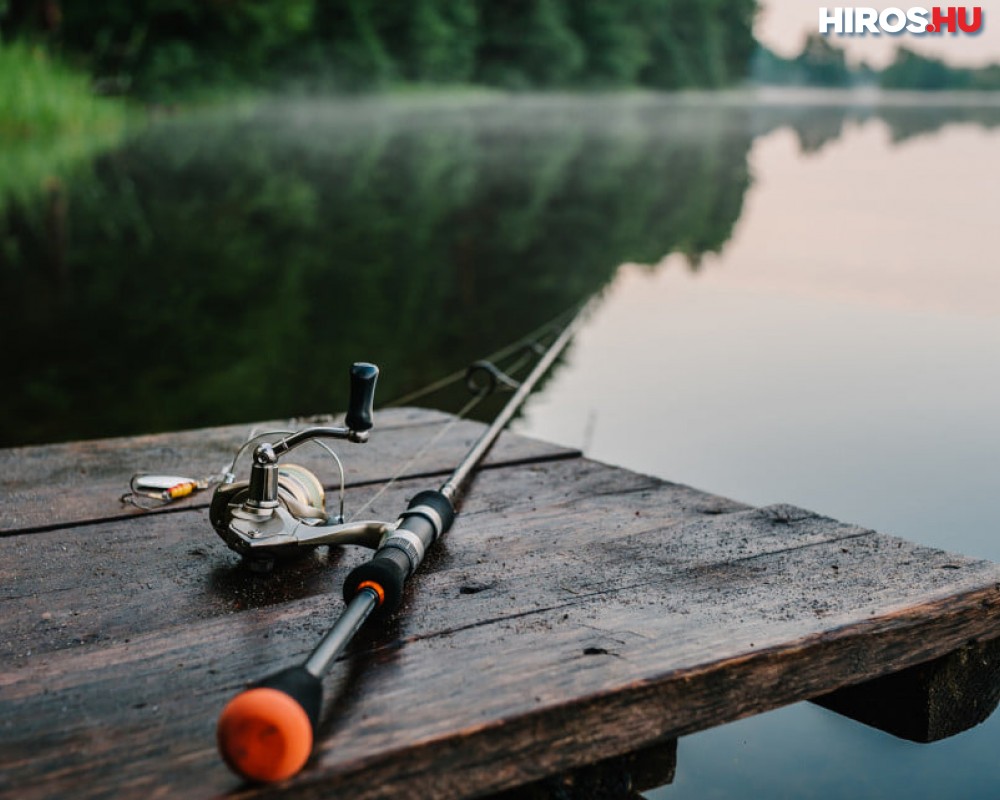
362, 397
440, 503
302, 686
388, 568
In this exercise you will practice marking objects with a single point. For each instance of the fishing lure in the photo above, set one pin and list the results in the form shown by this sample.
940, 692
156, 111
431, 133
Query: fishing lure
148, 490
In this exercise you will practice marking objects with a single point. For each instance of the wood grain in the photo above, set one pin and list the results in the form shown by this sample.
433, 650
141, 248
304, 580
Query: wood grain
103, 582
576, 612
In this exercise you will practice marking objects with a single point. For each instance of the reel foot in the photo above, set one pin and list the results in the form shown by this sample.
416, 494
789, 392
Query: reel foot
259, 565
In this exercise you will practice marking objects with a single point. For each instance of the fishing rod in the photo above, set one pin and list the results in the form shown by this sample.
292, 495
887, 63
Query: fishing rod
266, 733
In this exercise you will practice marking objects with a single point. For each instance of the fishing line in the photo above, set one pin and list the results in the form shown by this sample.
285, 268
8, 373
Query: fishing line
149, 491
480, 394
497, 355
427, 445
281, 714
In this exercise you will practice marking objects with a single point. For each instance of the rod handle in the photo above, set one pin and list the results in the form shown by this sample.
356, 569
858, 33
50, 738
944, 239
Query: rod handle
265, 734
429, 515
362, 396
388, 570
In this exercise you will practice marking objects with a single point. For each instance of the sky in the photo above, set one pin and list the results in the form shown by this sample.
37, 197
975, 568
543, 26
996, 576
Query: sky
783, 25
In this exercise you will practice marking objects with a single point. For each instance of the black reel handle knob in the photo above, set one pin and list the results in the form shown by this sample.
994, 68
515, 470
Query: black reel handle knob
359, 405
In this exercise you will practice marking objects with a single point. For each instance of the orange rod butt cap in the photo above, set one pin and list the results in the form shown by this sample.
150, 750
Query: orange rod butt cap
264, 735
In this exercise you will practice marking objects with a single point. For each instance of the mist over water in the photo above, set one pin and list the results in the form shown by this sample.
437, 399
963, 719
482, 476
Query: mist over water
798, 302
225, 267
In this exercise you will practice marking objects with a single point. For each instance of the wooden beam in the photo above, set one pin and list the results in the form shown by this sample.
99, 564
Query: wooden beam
929, 701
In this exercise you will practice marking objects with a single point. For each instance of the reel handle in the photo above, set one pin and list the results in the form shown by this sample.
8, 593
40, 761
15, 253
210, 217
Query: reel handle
362, 397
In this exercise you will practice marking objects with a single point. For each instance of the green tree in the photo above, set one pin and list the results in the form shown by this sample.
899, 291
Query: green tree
528, 43
617, 44
823, 64
159, 48
443, 39
911, 70
694, 43
153, 46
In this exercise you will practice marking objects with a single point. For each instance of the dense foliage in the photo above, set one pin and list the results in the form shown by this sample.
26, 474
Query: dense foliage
41, 97
49, 120
911, 70
822, 64
160, 46
819, 64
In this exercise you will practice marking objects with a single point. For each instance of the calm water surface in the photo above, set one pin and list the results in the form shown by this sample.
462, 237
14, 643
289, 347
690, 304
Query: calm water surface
798, 302
839, 353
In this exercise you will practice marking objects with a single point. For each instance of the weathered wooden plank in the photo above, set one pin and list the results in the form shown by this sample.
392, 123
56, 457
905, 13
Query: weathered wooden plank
930, 701
104, 581
574, 613
158, 739
178, 723
55, 485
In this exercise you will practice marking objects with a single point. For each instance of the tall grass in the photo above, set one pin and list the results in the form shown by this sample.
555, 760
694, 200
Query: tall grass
40, 96
50, 120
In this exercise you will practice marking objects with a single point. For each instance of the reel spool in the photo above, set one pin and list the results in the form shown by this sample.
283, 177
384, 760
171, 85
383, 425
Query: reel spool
300, 492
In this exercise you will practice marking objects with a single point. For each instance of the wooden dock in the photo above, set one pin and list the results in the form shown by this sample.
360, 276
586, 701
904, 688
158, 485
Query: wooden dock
575, 622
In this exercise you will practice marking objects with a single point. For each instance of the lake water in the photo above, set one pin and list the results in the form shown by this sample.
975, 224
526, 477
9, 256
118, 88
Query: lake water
799, 302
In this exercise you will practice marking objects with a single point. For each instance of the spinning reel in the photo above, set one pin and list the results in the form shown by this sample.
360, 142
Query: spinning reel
280, 511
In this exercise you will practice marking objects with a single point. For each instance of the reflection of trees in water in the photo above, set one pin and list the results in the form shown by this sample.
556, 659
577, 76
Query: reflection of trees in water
906, 122
814, 126
822, 123
231, 269
228, 268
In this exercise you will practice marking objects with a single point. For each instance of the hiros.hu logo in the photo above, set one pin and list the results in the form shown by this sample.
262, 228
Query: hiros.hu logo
953, 19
